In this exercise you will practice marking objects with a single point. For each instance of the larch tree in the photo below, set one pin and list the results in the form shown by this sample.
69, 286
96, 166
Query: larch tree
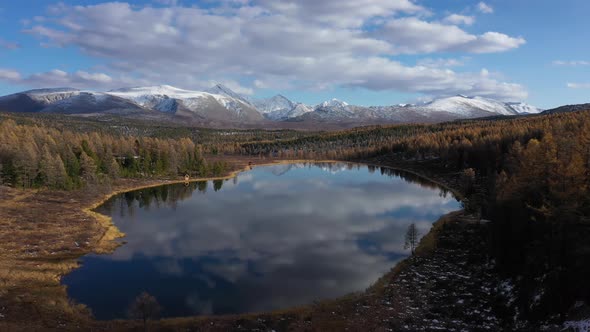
412, 238
88, 167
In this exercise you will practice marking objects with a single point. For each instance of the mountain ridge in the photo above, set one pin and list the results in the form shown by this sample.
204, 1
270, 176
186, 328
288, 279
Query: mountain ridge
221, 105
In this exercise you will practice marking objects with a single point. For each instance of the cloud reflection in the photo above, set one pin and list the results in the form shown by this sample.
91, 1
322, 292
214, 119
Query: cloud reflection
266, 241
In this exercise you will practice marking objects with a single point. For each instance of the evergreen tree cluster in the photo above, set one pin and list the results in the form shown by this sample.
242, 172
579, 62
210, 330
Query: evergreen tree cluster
529, 175
33, 156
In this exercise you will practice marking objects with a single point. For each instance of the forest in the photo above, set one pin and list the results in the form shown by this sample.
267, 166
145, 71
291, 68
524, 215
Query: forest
33, 156
530, 175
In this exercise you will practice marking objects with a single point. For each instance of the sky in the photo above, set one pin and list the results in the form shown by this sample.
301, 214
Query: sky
365, 52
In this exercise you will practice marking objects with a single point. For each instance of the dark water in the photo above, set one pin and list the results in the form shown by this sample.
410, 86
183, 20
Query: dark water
272, 238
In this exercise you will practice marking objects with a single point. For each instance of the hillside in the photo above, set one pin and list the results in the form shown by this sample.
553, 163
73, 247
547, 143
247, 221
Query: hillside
222, 107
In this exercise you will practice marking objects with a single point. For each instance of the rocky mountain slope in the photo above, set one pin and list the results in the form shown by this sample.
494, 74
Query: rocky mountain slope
221, 105
568, 108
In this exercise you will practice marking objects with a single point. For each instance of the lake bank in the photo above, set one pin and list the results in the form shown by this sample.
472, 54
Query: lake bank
49, 263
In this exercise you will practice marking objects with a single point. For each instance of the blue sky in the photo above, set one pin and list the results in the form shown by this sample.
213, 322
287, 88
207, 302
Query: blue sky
366, 52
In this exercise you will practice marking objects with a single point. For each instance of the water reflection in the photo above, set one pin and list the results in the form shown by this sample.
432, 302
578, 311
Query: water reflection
273, 237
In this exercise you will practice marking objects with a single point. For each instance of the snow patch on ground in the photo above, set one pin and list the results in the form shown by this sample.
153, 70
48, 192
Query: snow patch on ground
578, 325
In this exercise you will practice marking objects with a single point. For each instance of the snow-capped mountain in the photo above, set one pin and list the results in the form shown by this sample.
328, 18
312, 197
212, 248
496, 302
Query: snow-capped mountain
524, 108
222, 106
335, 104
66, 100
443, 109
337, 110
222, 90
298, 110
280, 107
162, 100
168, 99
463, 105
273, 104
48, 96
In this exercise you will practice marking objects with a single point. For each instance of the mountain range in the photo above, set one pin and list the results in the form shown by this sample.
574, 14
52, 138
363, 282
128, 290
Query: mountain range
220, 106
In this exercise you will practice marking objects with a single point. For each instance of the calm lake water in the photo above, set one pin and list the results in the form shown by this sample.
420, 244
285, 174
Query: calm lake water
274, 237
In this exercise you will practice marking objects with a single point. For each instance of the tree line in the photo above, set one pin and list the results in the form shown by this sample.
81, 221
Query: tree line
33, 156
533, 181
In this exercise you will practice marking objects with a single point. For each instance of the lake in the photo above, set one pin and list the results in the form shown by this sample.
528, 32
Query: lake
271, 238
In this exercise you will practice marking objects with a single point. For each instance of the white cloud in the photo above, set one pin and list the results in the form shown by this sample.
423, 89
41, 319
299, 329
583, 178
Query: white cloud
571, 63
412, 35
491, 42
9, 75
442, 63
60, 78
485, 8
578, 85
295, 44
167, 2
459, 19
341, 13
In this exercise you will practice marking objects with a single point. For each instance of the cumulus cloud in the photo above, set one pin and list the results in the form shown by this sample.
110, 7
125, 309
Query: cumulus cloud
342, 13
167, 2
485, 8
60, 78
412, 35
9, 75
442, 62
459, 19
289, 44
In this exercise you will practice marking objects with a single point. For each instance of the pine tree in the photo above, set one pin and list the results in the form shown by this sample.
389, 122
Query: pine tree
88, 167
61, 179
113, 169
411, 241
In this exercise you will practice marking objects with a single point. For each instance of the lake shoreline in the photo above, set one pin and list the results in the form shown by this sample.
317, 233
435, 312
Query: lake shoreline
105, 243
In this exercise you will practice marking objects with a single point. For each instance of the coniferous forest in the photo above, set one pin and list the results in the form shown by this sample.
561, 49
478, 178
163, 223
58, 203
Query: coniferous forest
529, 175
34, 156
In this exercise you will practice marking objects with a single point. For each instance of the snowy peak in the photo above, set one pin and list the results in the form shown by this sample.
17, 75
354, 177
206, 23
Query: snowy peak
443, 109
222, 105
200, 105
280, 99
467, 106
49, 96
280, 107
338, 110
163, 98
524, 108
169, 99
220, 89
334, 103
272, 104
50, 91
157, 90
